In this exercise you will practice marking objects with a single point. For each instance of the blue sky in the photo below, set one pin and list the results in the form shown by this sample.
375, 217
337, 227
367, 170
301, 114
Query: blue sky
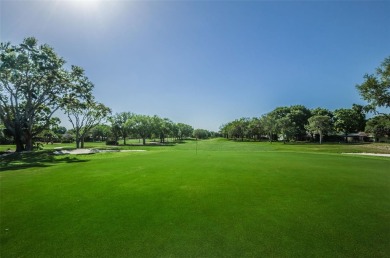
206, 63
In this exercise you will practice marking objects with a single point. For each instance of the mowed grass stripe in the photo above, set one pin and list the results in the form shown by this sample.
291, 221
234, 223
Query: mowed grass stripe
215, 204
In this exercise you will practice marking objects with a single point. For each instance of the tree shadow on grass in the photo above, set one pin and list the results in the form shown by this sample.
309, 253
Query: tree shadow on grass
37, 159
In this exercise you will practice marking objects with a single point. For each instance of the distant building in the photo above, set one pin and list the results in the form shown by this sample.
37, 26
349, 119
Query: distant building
359, 137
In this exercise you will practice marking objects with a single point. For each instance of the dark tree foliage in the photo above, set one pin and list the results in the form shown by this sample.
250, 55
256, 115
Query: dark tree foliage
379, 126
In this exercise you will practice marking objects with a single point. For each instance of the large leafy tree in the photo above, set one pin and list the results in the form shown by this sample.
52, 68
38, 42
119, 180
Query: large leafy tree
360, 116
319, 124
269, 124
376, 88
282, 123
143, 126
49, 134
321, 112
84, 116
184, 130
101, 132
299, 115
237, 129
255, 128
287, 127
33, 85
201, 134
379, 126
162, 127
241, 127
349, 120
292, 120
120, 123
225, 130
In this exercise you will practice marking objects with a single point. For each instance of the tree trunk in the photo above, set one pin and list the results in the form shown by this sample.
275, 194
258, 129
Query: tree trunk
124, 140
29, 143
320, 137
143, 141
82, 143
19, 144
78, 138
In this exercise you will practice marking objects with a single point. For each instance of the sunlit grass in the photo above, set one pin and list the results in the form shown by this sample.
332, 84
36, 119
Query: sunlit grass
212, 198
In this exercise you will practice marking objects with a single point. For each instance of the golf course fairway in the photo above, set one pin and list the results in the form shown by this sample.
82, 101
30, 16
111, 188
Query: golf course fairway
212, 198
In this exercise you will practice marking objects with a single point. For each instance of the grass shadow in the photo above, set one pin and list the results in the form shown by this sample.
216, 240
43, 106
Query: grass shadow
38, 159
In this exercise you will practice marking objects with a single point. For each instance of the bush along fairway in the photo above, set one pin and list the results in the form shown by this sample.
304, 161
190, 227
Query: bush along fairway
225, 199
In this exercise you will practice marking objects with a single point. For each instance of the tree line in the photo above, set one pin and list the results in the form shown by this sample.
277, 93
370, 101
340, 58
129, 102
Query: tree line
118, 127
35, 83
127, 124
296, 123
299, 123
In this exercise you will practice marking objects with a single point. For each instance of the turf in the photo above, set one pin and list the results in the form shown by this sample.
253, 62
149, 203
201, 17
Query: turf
211, 198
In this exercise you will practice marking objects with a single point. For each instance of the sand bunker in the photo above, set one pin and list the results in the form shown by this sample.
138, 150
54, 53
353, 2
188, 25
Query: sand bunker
369, 154
89, 151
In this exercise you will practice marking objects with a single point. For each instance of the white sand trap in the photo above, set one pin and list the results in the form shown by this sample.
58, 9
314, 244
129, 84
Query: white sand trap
369, 154
75, 152
89, 151
131, 150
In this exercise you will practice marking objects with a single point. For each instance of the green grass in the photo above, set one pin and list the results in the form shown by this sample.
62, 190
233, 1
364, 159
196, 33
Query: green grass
229, 199
130, 144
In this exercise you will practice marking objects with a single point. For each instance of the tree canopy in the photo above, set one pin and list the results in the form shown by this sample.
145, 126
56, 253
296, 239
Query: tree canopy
121, 124
33, 86
349, 120
376, 87
379, 126
84, 116
319, 124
